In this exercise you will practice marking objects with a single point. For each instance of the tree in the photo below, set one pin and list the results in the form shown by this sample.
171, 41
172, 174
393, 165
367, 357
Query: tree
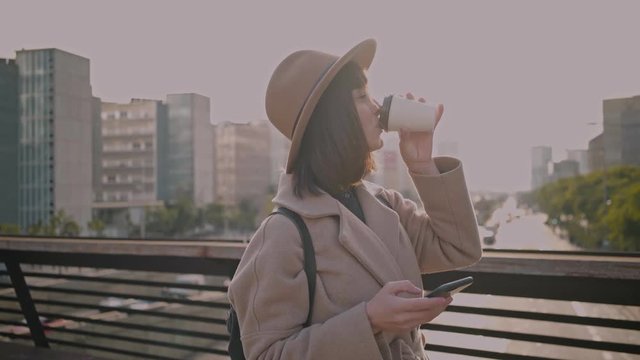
60, 224
172, 220
97, 226
37, 229
623, 219
160, 222
486, 206
185, 218
579, 207
63, 225
9, 229
214, 215
246, 215
69, 229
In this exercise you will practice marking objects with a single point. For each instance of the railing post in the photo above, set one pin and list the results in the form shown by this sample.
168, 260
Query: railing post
26, 303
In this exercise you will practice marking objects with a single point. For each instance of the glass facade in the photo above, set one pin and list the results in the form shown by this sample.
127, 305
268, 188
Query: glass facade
54, 137
621, 130
9, 118
36, 137
179, 158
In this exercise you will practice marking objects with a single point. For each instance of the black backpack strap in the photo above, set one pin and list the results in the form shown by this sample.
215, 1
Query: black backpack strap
309, 254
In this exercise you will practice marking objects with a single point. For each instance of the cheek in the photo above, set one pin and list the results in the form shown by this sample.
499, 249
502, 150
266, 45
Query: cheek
366, 117
362, 115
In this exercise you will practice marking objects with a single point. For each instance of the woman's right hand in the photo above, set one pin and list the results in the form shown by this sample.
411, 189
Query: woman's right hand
390, 311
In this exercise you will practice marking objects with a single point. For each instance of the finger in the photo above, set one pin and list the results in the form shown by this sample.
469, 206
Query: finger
414, 319
424, 304
410, 96
396, 287
406, 321
422, 100
426, 316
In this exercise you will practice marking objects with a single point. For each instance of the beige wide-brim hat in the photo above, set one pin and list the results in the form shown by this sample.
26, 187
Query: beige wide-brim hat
297, 85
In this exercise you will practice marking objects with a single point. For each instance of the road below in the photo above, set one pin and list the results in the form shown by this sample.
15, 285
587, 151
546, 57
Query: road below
519, 230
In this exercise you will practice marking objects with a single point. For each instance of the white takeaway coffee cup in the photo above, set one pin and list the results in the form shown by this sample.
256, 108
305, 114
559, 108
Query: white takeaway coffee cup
398, 112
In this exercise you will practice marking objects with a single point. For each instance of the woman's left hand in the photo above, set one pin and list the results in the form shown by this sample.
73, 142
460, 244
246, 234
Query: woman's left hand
416, 147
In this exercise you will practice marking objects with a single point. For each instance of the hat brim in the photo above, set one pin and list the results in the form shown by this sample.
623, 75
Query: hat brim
362, 54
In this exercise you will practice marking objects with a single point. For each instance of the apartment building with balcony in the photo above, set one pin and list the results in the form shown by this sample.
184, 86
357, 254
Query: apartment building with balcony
132, 140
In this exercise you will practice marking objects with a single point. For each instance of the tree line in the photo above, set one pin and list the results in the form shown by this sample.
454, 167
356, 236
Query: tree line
600, 210
178, 219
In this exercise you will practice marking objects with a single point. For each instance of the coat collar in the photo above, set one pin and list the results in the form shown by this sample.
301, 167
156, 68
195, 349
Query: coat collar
375, 244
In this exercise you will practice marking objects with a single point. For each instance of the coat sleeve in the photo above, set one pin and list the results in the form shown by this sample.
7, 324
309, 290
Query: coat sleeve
270, 294
446, 236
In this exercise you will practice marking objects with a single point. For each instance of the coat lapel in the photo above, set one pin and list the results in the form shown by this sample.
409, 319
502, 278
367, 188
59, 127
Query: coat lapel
382, 220
374, 245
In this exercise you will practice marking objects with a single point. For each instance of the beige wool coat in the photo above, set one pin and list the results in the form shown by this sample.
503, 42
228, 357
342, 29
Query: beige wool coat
354, 260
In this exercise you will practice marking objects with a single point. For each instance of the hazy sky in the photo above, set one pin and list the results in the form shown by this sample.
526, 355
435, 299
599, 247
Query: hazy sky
512, 74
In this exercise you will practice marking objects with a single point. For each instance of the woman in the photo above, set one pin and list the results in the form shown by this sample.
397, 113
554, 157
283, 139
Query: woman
370, 253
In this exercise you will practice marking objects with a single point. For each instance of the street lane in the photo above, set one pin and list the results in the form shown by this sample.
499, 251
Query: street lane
522, 231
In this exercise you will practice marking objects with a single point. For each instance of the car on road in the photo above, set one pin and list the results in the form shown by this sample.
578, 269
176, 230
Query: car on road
488, 236
117, 302
48, 325
178, 292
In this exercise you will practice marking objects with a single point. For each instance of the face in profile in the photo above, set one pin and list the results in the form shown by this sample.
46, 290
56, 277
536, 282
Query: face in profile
368, 113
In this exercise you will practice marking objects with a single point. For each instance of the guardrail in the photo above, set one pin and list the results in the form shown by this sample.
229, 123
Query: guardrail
131, 299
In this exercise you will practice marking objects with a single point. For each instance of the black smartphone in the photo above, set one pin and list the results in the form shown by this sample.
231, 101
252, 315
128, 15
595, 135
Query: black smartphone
451, 288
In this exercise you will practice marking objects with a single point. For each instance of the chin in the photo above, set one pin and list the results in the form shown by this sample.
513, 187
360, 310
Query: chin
378, 146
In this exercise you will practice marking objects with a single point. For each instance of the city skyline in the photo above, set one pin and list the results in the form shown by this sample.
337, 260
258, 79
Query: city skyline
521, 67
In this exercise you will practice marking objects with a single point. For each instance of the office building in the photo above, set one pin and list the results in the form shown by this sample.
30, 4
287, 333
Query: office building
582, 158
55, 136
96, 155
596, 153
541, 158
622, 131
565, 169
9, 127
618, 143
243, 164
190, 149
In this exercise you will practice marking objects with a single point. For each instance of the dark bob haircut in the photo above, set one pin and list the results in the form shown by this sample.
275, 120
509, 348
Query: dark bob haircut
334, 154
